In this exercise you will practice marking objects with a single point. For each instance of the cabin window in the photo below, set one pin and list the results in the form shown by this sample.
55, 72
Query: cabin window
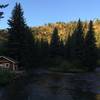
7, 65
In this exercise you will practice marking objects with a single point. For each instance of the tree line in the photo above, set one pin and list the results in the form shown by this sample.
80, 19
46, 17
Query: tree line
30, 52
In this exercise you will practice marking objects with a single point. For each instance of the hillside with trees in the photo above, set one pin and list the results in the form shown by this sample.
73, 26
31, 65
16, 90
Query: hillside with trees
61, 46
58, 40
44, 32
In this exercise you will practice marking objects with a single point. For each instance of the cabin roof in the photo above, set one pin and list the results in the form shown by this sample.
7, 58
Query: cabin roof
9, 59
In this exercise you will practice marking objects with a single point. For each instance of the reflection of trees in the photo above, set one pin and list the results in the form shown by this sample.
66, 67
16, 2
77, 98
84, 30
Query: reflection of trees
16, 90
81, 90
53, 87
54, 84
70, 88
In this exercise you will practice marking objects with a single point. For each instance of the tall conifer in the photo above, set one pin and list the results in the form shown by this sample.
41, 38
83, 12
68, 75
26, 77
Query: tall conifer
77, 43
55, 43
90, 45
20, 42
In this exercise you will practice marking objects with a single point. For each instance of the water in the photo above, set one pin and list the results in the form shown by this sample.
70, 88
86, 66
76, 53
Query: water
55, 86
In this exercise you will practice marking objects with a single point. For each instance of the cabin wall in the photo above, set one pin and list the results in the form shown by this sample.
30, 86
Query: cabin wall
5, 64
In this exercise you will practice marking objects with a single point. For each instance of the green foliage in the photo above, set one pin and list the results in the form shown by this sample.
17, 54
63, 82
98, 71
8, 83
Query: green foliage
6, 76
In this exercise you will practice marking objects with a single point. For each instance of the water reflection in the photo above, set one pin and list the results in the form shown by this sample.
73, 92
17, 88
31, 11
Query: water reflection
55, 86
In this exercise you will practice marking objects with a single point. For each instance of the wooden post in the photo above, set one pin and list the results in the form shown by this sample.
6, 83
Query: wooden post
13, 67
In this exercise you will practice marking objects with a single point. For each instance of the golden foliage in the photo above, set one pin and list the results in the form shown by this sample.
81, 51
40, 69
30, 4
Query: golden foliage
45, 32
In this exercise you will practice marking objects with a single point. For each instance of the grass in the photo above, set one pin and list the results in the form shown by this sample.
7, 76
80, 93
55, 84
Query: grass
59, 64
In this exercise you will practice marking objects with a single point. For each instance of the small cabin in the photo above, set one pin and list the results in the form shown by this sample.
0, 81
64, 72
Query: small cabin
7, 63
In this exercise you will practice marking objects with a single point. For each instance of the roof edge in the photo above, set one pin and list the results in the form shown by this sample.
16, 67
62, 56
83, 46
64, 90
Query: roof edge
9, 59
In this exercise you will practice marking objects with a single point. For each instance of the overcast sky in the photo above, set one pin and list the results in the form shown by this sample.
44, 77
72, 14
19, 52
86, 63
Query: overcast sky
39, 12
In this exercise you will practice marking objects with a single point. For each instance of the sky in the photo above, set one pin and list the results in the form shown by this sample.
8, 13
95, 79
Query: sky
40, 12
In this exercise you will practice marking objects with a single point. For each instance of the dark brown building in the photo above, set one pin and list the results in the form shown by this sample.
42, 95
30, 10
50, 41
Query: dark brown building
8, 63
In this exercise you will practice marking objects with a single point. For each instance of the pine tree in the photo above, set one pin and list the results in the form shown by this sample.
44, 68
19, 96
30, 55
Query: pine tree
77, 43
61, 48
1, 13
90, 45
55, 41
67, 48
20, 42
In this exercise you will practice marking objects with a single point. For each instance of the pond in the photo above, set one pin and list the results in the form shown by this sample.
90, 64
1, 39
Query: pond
55, 86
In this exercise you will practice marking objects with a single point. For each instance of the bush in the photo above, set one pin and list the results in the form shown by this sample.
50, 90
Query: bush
6, 77
62, 65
